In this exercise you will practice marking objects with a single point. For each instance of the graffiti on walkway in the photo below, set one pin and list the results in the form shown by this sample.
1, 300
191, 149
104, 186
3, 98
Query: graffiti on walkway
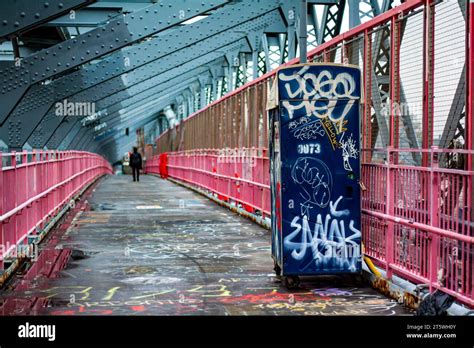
203, 299
176, 266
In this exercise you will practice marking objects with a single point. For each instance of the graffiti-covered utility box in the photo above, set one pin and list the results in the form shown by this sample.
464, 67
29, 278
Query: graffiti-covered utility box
315, 169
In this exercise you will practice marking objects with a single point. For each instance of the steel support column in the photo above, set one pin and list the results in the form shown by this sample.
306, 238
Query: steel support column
303, 31
332, 20
428, 74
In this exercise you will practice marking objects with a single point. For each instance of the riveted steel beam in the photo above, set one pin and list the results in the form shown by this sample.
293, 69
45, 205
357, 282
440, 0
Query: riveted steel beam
18, 16
155, 56
290, 11
137, 57
49, 121
118, 112
86, 143
72, 128
65, 131
85, 137
134, 112
137, 118
87, 17
144, 83
94, 44
148, 84
142, 111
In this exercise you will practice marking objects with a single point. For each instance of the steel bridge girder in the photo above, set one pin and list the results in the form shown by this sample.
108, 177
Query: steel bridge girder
96, 43
167, 62
159, 78
19, 16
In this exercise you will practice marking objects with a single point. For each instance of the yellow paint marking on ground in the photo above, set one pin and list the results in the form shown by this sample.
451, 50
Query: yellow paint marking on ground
90, 218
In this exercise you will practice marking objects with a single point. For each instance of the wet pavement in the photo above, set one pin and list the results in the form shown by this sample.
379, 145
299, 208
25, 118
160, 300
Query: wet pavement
156, 248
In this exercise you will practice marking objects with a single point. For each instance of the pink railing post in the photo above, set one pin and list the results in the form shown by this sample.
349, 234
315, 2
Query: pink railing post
34, 174
434, 217
24, 183
470, 116
389, 210
15, 180
470, 85
393, 124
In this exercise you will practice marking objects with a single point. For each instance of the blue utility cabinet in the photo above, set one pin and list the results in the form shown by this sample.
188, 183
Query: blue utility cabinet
315, 169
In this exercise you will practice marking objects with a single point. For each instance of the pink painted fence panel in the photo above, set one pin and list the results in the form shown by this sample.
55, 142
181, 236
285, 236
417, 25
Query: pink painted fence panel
417, 221
35, 186
234, 175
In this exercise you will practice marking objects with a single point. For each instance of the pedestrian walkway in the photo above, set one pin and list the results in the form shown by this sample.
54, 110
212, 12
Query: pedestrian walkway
156, 248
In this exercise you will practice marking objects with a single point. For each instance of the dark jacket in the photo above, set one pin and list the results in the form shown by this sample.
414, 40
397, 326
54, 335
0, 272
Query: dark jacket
136, 160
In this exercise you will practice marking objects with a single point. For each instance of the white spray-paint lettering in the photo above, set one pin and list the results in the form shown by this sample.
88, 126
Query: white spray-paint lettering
311, 88
349, 150
328, 241
315, 182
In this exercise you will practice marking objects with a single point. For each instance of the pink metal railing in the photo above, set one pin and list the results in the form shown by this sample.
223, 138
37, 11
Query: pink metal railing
237, 175
35, 186
417, 221
152, 165
157, 165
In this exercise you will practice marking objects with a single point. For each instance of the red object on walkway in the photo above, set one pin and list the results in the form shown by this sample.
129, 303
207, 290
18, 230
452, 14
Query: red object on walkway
158, 165
163, 165
240, 176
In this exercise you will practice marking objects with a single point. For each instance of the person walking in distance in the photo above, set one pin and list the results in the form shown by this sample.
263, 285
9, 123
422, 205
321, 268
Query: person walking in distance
136, 164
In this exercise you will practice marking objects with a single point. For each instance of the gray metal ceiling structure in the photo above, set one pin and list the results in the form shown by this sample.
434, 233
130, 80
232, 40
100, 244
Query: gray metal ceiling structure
130, 60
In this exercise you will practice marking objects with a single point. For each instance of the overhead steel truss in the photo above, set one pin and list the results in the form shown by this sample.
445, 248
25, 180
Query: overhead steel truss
118, 33
17, 17
144, 59
156, 57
